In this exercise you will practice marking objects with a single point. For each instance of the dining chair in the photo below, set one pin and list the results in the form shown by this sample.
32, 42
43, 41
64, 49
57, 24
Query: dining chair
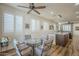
48, 43
27, 37
44, 37
43, 48
15, 42
39, 49
24, 49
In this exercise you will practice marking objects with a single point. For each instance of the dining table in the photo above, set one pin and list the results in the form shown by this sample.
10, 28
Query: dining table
35, 42
9, 47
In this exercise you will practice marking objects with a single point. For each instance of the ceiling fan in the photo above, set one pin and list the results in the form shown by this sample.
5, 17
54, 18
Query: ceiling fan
32, 7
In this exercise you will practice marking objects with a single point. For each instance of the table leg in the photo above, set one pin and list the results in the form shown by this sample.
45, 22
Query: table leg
33, 50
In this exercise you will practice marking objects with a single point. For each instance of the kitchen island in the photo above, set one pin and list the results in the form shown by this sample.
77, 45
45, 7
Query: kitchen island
62, 38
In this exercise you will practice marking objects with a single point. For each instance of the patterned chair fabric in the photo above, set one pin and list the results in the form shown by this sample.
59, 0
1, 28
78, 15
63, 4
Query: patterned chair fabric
27, 37
24, 49
46, 45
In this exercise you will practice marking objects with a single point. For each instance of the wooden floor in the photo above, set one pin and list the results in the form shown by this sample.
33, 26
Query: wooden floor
57, 50
71, 49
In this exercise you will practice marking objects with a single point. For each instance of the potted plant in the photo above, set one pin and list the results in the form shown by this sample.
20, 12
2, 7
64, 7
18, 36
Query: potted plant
4, 41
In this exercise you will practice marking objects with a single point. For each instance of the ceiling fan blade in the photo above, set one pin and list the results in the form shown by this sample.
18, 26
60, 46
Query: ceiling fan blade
40, 7
29, 11
23, 6
36, 11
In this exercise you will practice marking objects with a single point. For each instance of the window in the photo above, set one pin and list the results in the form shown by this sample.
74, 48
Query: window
46, 26
67, 27
12, 23
8, 23
35, 25
59, 26
18, 24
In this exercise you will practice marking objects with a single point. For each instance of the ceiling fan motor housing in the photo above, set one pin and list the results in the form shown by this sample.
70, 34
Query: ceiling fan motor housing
32, 6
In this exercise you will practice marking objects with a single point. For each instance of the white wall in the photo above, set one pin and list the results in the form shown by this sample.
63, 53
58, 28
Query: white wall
26, 19
75, 32
75, 36
0, 22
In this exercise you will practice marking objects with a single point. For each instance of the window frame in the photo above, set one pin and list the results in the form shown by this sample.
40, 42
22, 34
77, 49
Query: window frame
4, 22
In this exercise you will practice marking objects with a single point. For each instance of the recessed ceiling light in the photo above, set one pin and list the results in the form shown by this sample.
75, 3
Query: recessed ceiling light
52, 12
59, 23
77, 12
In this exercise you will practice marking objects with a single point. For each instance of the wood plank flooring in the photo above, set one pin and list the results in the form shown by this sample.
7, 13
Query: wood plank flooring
71, 48
57, 50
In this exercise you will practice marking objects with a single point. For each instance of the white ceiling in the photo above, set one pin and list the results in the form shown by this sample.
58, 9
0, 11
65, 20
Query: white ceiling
52, 10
